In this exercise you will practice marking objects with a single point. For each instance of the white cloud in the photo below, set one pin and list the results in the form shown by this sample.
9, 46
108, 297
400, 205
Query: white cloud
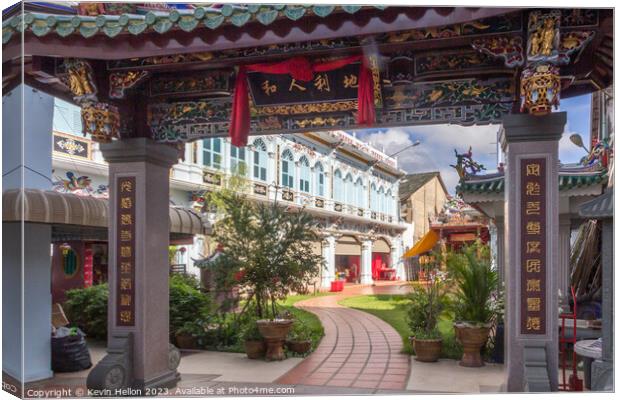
436, 149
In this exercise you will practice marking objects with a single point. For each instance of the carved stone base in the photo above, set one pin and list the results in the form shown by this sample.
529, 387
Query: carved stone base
115, 370
114, 373
535, 364
602, 376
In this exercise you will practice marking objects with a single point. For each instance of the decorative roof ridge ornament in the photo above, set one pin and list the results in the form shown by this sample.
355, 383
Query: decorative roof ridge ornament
465, 165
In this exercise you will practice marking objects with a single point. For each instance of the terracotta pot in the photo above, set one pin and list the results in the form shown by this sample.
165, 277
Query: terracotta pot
185, 341
299, 346
472, 339
255, 349
274, 332
426, 350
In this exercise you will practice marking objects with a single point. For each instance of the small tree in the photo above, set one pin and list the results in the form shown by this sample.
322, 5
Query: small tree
265, 249
428, 301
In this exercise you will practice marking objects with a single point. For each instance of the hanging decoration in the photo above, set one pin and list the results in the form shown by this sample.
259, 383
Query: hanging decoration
300, 69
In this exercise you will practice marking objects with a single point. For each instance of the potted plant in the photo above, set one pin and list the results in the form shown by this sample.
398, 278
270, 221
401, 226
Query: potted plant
428, 301
253, 341
474, 306
188, 335
266, 251
298, 340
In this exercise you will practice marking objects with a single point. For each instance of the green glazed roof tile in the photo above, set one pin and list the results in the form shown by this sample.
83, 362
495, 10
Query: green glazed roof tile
565, 181
42, 24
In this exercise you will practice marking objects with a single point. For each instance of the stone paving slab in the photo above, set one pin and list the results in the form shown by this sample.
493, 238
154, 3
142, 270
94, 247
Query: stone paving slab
447, 376
234, 367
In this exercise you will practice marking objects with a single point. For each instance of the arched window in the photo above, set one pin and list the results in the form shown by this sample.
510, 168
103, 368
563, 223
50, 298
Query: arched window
237, 160
260, 160
212, 153
320, 179
359, 193
388, 202
288, 169
381, 200
304, 175
348, 189
338, 186
373, 197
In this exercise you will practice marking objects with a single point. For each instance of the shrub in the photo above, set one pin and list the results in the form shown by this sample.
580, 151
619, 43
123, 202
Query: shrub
187, 302
87, 308
428, 301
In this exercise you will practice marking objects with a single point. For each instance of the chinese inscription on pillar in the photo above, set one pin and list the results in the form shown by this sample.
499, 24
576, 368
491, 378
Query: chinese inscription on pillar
125, 256
533, 246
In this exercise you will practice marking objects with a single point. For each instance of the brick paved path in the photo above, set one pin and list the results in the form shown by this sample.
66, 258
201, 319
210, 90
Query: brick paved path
359, 350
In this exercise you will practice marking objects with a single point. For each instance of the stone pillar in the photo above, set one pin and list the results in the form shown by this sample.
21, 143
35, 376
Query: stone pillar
395, 258
531, 244
329, 256
366, 261
138, 239
564, 258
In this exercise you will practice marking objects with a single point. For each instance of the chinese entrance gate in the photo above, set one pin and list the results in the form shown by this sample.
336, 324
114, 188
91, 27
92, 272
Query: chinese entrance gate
168, 77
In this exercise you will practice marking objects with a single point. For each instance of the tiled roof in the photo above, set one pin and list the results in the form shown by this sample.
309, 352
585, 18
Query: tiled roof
600, 207
412, 182
495, 184
42, 24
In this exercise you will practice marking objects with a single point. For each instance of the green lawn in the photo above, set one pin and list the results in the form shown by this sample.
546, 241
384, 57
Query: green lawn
393, 310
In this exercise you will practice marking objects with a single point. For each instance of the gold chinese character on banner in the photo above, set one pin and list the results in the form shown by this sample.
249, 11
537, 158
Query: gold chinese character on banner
533, 285
532, 266
321, 82
295, 85
350, 81
125, 316
125, 284
532, 247
532, 208
125, 235
532, 189
126, 219
126, 186
125, 251
268, 88
533, 228
533, 170
533, 324
125, 300
126, 202
533, 303
125, 267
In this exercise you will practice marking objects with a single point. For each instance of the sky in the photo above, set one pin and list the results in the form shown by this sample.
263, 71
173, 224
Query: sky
438, 142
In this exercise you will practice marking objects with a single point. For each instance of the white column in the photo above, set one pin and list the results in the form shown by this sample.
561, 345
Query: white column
26, 272
366, 261
329, 256
564, 258
396, 260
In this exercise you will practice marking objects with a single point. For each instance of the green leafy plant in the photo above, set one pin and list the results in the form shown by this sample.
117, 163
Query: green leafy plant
249, 331
193, 328
87, 308
266, 251
428, 301
187, 303
299, 331
476, 283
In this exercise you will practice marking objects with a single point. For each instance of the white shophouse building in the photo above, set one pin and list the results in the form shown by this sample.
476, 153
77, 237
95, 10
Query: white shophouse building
350, 187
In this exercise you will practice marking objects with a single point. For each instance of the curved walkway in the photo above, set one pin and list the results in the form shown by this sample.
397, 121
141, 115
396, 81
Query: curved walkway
358, 350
